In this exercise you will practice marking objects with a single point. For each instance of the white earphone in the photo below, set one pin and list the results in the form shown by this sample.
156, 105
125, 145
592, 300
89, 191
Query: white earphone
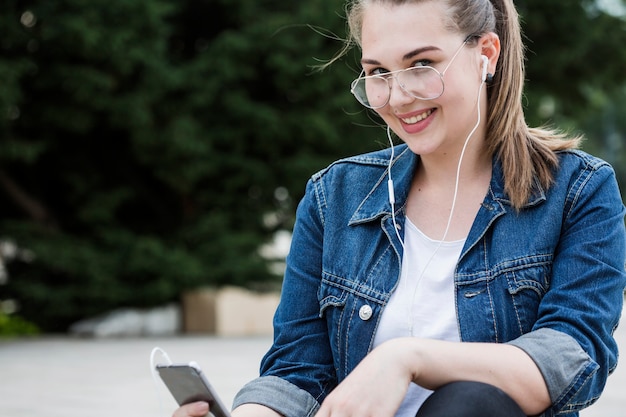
485, 65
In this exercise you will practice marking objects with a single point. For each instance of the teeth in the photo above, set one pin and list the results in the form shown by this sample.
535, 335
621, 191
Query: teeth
418, 118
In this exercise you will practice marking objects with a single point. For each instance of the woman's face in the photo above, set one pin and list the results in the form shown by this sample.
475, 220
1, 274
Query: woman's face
399, 37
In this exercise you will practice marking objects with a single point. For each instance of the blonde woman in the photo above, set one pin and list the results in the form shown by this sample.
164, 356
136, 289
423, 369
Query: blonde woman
477, 269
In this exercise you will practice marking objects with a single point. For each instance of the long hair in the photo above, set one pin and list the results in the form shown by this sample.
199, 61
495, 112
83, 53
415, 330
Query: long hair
528, 155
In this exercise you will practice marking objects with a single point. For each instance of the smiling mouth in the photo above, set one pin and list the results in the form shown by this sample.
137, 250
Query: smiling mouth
418, 118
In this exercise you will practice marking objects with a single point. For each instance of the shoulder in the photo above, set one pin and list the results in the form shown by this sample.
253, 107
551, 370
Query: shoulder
346, 183
585, 178
371, 164
578, 168
576, 159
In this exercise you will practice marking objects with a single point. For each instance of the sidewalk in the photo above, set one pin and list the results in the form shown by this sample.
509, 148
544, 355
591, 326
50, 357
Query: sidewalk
68, 377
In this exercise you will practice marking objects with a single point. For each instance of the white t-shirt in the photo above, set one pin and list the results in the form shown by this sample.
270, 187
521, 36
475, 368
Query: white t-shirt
423, 303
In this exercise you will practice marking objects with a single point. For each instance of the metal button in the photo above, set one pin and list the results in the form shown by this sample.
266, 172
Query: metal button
365, 312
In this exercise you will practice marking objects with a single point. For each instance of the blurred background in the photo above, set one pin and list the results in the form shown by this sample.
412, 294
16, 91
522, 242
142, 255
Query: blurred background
151, 148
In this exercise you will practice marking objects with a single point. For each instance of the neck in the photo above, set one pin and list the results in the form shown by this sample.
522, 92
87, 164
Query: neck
441, 207
440, 169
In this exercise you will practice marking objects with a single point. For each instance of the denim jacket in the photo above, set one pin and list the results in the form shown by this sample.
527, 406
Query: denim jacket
548, 279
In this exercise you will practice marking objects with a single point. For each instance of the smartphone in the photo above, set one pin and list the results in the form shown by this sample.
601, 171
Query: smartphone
188, 384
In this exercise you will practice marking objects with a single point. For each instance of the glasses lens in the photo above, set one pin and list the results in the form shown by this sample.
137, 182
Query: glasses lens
372, 92
424, 83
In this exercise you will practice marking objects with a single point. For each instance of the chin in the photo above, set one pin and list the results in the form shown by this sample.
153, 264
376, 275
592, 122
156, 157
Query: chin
421, 148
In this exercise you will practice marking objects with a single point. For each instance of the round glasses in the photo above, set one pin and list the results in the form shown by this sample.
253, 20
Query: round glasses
374, 91
422, 82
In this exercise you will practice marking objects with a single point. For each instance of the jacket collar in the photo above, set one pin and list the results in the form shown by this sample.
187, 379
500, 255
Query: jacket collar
496, 188
376, 204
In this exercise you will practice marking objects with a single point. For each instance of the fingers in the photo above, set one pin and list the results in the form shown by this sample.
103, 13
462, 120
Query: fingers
197, 409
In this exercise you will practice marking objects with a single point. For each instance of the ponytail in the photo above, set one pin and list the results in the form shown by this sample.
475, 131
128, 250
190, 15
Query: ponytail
528, 155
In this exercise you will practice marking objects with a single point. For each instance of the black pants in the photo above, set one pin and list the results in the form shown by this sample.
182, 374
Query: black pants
469, 399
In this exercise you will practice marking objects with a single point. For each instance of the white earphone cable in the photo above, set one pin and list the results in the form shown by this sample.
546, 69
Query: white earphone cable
454, 199
153, 371
392, 197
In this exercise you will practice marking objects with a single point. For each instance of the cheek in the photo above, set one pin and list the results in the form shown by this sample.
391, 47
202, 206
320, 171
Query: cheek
385, 113
464, 87
460, 96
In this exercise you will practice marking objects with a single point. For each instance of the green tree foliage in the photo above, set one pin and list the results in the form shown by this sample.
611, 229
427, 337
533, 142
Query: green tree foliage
576, 64
13, 326
573, 49
148, 147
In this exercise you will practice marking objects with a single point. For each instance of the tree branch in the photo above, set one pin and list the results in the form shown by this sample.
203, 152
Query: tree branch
33, 208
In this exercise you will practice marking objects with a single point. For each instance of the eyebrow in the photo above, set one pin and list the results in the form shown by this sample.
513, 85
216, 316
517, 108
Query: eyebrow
406, 56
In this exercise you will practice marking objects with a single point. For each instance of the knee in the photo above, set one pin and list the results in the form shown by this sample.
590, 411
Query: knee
469, 399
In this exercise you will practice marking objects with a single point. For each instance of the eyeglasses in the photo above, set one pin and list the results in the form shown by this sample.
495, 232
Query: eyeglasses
422, 82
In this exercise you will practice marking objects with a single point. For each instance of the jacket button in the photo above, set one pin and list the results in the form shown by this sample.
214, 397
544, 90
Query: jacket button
365, 312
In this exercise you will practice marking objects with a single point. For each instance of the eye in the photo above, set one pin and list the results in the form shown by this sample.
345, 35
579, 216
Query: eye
423, 63
377, 71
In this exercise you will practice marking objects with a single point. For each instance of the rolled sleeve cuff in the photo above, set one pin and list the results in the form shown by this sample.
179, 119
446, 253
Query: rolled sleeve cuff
565, 366
281, 396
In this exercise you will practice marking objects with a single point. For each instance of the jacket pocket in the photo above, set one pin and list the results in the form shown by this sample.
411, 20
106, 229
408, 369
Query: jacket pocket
332, 293
526, 286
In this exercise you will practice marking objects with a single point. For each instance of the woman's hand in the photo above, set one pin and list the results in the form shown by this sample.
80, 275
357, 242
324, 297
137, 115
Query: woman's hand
197, 409
376, 387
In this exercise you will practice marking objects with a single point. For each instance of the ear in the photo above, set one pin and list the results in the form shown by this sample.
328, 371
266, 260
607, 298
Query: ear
489, 45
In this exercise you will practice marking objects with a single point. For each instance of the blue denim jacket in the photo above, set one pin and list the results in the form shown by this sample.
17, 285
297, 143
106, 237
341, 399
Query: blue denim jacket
548, 279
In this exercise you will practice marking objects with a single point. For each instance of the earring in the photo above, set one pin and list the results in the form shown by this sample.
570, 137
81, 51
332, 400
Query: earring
489, 78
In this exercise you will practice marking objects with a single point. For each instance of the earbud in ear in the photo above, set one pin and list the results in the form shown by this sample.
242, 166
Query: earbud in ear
484, 69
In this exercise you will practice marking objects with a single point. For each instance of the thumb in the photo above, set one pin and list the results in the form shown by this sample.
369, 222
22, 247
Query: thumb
197, 409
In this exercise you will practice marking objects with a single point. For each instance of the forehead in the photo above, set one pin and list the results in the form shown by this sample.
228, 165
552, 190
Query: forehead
392, 30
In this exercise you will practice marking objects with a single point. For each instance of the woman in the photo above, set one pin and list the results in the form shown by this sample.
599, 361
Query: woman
477, 269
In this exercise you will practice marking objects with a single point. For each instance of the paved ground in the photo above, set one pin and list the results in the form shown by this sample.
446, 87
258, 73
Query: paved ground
67, 377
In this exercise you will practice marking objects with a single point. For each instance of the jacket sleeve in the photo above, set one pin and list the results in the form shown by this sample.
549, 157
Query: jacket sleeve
572, 341
298, 371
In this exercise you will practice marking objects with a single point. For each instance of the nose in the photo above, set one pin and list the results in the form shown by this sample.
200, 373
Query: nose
397, 94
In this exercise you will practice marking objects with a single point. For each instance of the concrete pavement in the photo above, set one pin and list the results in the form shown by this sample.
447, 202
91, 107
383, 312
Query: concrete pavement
67, 377
70, 377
